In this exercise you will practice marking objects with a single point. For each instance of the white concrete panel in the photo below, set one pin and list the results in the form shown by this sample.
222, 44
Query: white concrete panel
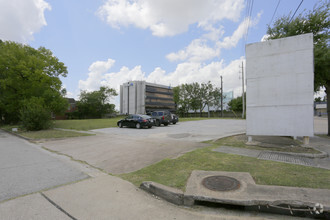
280, 85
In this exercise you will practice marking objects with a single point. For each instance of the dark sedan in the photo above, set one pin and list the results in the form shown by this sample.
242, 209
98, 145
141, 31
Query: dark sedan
136, 121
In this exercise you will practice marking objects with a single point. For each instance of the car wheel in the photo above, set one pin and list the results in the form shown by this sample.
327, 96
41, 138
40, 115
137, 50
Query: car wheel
120, 125
165, 124
157, 123
150, 126
174, 123
138, 126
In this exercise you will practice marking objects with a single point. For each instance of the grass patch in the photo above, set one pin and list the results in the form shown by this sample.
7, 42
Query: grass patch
90, 124
323, 136
87, 124
43, 134
287, 145
49, 134
193, 119
175, 172
203, 118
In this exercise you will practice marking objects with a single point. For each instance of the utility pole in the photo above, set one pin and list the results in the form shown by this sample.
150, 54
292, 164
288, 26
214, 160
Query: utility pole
243, 98
221, 97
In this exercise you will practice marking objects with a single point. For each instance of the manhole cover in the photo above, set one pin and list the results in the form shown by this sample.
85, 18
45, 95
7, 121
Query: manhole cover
220, 183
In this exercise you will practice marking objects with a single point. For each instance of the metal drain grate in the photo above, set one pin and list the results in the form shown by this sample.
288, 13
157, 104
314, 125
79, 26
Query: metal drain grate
220, 183
285, 158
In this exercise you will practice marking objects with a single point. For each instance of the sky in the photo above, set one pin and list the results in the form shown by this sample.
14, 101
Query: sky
169, 42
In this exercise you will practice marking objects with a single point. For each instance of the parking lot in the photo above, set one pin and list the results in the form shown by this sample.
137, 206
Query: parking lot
189, 131
121, 150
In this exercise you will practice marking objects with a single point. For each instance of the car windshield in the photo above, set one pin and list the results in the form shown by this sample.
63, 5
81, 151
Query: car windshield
154, 114
160, 113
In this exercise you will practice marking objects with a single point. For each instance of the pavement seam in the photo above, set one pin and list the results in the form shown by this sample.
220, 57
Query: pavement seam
76, 160
58, 207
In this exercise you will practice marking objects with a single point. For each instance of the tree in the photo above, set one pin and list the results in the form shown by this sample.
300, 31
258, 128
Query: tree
317, 22
216, 98
182, 99
34, 115
318, 99
26, 73
206, 96
196, 96
237, 103
95, 104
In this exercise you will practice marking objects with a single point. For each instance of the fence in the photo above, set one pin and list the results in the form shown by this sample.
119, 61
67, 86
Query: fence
226, 114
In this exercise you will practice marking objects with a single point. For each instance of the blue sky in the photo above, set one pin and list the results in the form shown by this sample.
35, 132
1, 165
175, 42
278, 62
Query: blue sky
108, 42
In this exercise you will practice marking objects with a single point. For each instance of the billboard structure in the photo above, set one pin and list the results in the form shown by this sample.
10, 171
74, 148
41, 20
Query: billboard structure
280, 87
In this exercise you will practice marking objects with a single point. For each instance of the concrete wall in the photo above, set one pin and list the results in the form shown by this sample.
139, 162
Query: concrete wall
280, 81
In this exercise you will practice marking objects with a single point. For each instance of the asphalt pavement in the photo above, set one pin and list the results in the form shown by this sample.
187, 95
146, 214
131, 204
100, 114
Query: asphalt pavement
104, 196
26, 168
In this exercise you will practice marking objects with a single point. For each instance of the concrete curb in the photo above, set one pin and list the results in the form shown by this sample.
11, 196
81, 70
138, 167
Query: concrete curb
178, 197
169, 194
17, 135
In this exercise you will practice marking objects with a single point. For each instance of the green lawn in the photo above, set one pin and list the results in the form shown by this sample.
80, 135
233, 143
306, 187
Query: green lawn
175, 172
87, 124
289, 145
43, 134
51, 133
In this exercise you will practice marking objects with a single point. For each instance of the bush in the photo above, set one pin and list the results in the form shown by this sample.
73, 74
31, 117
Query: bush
34, 116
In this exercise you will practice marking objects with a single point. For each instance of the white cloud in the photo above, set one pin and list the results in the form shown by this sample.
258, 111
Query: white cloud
196, 51
199, 50
187, 72
264, 38
169, 17
20, 19
96, 75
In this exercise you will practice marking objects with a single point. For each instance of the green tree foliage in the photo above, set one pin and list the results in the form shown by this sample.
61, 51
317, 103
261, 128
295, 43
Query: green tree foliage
95, 104
317, 22
35, 115
25, 73
216, 98
195, 97
236, 104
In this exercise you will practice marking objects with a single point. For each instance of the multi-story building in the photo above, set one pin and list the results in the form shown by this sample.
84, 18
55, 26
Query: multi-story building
140, 97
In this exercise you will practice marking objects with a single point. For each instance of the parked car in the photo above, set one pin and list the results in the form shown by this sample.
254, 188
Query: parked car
161, 117
174, 118
136, 121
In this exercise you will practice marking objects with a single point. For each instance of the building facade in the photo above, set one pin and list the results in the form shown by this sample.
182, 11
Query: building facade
140, 97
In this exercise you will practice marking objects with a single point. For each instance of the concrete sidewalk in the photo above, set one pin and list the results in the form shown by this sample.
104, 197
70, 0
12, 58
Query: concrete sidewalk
109, 197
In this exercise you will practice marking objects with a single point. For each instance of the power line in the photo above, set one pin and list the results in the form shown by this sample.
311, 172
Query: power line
248, 13
278, 3
296, 11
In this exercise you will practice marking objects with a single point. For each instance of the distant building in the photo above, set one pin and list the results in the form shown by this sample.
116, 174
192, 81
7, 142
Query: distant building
140, 97
320, 108
71, 108
227, 97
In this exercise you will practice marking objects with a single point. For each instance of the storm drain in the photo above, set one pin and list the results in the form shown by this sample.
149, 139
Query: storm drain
285, 158
220, 183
